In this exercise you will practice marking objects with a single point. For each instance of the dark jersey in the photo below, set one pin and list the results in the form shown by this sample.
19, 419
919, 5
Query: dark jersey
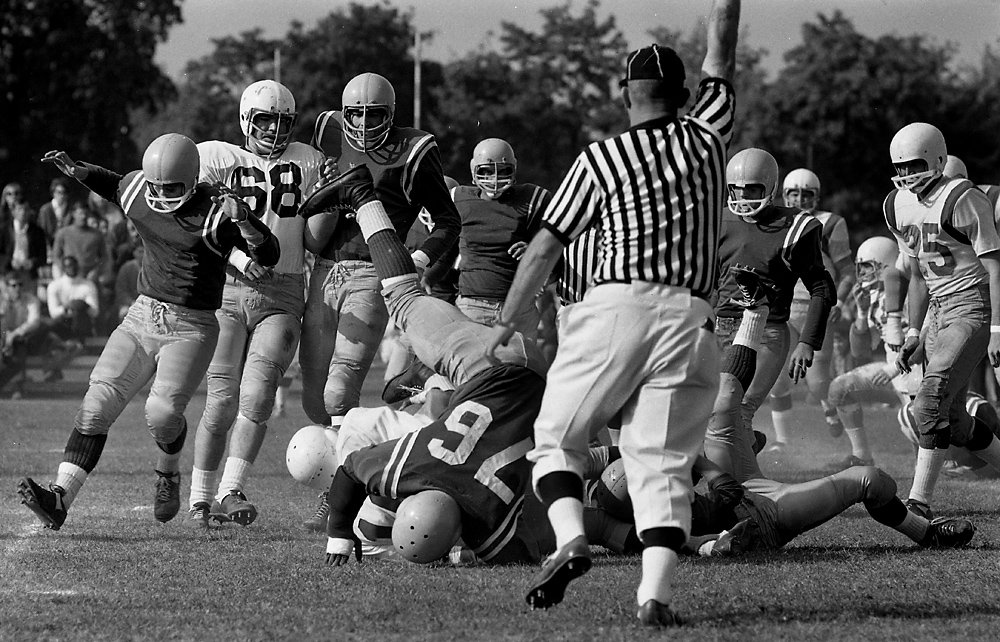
784, 246
408, 176
186, 251
475, 452
489, 229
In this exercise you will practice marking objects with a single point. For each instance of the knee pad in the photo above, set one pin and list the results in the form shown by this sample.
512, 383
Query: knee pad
839, 393
257, 399
165, 421
95, 415
343, 387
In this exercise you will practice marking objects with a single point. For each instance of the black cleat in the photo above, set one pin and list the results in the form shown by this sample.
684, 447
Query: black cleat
47, 504
318, 521
234, 507
167, 501
737, 540
346, 192
947, 532
652, 613
558, 570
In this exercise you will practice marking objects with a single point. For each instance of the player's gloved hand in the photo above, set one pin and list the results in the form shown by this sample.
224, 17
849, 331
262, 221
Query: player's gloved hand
66, 165
232, 205
517, 250
753, 287
802, 358
338, 550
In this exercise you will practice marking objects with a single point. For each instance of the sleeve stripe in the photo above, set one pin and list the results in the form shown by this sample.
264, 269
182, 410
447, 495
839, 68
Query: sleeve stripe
502, 535
317, 140
210, 232
799, 226
412, 165
389, 484
133, 190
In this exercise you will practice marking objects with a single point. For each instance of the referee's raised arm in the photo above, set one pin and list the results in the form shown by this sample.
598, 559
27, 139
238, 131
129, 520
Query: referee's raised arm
723, 29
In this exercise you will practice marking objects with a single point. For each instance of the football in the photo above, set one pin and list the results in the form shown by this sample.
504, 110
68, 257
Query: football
611, 493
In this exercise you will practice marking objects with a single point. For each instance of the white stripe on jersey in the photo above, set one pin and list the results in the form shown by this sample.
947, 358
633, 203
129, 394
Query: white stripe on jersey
798, 227
210, 229
320, 127
420, 149
389, 485
133, 190
502, 535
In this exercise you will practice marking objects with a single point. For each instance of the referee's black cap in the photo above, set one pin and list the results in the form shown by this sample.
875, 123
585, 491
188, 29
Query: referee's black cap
654, 63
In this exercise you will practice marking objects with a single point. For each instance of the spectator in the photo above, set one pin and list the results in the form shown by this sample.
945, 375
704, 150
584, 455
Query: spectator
25, 332
12, 195
124, 251
86, 244
55, 213
126, 283
73, 303
116, 229
22, 245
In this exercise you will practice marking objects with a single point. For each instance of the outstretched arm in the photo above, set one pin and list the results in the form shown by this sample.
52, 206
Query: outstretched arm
723, 29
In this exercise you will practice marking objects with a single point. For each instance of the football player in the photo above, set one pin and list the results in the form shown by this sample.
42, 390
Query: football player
781, 245
499, 217
345, 315
261, 313
480, 436
188, 229
945, 227
871, 382
801, 190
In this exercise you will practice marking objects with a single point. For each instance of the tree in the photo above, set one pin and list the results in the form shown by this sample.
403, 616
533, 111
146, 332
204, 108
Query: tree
72, 70
548, 94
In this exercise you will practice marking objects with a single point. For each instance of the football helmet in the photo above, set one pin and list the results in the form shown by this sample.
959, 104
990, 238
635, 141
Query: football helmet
751, 166
366, 94
918, 141
801, 190
493, 166
311, 456
267, 97
955, 168
427, 525
171, 159
874, 255
611, 492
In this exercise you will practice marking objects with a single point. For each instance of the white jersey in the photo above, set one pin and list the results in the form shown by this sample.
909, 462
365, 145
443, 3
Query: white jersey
273, 188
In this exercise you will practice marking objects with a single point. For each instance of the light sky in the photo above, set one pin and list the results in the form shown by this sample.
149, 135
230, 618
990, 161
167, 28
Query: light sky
461, 26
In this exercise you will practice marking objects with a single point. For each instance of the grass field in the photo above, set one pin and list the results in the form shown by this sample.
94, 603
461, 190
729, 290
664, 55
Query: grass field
114, 573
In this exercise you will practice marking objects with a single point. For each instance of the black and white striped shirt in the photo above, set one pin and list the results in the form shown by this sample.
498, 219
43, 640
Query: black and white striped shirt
578, 267
655, 194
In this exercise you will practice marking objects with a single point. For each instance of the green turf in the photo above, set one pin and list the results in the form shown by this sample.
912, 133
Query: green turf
114, 573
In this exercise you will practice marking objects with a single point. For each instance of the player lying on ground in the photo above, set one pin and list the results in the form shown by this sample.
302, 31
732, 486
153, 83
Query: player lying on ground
169, 334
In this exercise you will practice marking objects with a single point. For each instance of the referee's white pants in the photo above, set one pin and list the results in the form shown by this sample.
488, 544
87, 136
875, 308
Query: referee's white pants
650, 351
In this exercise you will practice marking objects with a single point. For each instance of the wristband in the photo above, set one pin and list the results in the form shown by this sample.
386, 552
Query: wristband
892, 331
913, 332
995, 329
420, 259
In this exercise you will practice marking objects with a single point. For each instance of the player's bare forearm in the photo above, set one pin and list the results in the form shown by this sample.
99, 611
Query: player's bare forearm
916, 294
723, 32
534, 269
991, 261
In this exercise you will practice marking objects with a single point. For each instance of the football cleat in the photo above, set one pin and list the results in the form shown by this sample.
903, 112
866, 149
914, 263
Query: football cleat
346, 192
558, 570
47, 504
919, 509
652, 613
850, 462
167, 502
947, 532
234, 507
318, 521
198, 517
739, 539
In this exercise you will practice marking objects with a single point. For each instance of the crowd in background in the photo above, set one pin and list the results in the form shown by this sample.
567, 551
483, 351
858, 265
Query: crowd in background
68, 271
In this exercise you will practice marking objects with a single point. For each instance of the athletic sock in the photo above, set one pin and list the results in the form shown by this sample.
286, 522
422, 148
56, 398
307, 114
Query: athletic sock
84, 450
390, 256
914, 526
929, 462
990, 454
659, 566
70, 478
566, 517
168, 460
782, 420
234, 476
202, 484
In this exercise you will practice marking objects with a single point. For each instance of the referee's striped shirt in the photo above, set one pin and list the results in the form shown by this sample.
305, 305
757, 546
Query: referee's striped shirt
579, 262
655, 194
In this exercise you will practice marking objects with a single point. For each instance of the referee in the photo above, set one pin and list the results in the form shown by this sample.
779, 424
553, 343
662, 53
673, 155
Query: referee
641, 341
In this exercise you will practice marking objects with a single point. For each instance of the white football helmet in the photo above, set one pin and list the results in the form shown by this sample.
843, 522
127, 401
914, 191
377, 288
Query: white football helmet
170, 159
427, 525
364, 94
311, 456
918, 141
493, 166
801, 190
751, 166
267, 97
955, 168
874, 255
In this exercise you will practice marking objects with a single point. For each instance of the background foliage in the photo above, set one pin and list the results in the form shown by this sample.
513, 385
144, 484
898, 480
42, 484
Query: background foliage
79, 75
